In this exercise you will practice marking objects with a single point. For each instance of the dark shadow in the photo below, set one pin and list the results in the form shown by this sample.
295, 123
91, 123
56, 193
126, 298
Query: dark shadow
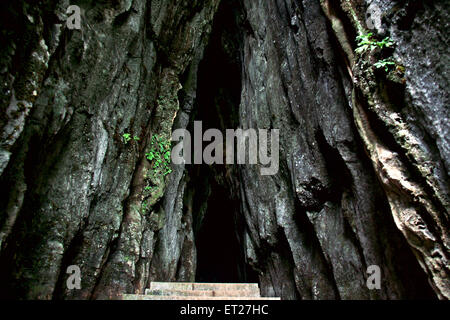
218, 250
218, 221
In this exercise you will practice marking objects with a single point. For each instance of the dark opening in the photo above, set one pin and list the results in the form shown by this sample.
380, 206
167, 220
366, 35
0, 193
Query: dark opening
219, 255
218, 221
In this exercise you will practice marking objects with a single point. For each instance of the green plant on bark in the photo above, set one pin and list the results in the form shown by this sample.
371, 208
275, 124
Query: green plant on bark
127, 138
385, 64
159, 154
367, 42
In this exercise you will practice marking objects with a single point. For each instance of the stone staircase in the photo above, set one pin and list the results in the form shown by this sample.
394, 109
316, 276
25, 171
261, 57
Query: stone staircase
199, 291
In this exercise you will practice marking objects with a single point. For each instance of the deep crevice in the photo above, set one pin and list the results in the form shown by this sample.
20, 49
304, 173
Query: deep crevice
217, 222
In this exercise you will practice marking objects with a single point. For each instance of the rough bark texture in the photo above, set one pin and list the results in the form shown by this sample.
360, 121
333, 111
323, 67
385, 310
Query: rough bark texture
364, 153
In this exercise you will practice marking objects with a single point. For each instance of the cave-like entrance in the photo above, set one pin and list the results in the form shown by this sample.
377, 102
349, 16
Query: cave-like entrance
217, 218
219, 226
219, 254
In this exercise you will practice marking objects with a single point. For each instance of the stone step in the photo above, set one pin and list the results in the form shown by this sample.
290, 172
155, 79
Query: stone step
199, 291
203, 293
203, 286
154, 297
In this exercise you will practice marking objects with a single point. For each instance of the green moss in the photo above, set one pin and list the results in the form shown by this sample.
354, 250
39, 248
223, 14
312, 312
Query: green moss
158, 153
347, 6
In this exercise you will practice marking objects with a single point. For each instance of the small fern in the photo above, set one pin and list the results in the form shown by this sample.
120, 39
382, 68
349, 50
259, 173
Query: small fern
366, 42
159, 154
126, 137
384, 64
